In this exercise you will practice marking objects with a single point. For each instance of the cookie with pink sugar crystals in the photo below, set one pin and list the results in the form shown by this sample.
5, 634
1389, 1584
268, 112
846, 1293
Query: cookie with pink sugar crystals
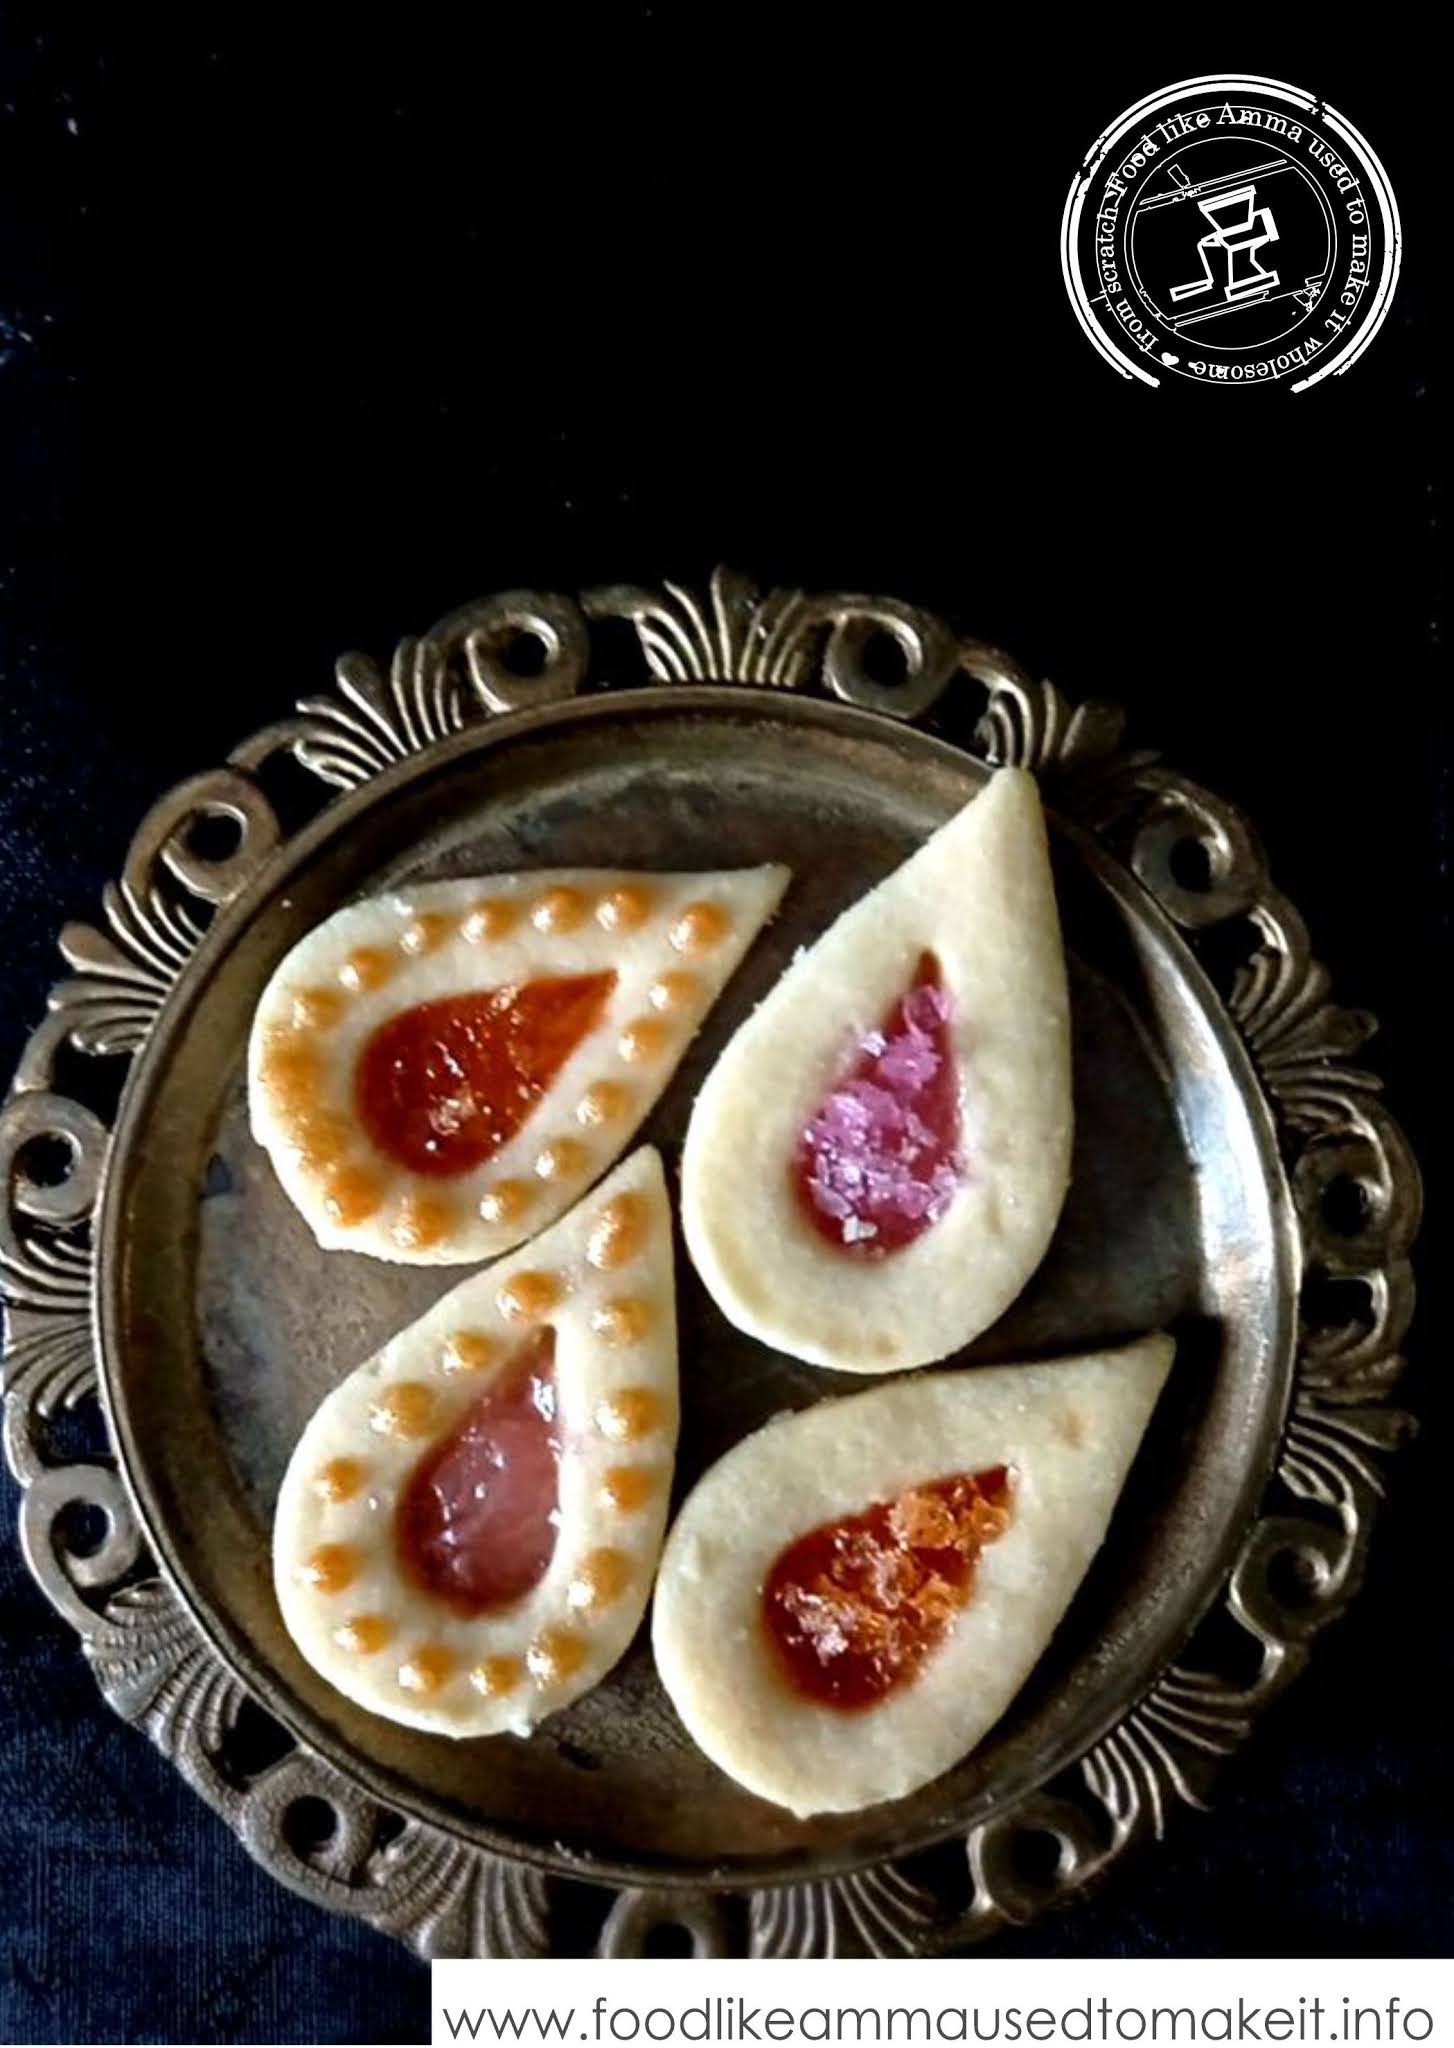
877, 1161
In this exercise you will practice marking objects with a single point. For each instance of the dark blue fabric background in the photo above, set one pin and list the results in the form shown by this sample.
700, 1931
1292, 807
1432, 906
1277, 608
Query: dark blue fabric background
298, 347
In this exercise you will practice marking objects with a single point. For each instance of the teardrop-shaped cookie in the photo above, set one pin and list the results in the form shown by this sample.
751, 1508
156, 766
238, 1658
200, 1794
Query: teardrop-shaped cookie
876, 1163
850, 1598
438, 1074
467, 1532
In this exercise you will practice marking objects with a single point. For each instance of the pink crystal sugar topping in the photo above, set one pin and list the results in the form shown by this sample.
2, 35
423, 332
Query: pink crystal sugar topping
878, 1163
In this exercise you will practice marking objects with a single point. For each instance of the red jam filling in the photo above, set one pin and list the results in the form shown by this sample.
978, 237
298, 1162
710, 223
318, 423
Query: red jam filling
442, 1087
853, 1608
478, 1519
878, 1163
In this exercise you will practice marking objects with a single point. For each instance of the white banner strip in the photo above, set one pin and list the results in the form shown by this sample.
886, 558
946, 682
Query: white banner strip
630, 2004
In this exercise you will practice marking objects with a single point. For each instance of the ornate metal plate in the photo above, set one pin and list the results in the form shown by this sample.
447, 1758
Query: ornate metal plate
1235, 1177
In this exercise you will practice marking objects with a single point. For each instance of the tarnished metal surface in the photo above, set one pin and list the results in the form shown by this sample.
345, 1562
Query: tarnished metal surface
222, 1322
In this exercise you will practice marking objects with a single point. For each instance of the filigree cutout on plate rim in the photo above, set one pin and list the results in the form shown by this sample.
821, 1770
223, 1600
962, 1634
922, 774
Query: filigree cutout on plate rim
1354, 1183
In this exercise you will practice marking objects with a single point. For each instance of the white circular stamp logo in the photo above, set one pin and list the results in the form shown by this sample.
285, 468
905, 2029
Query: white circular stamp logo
1231, 230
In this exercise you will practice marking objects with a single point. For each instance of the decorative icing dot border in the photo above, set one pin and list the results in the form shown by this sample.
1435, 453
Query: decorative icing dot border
322, 1131
416, 1410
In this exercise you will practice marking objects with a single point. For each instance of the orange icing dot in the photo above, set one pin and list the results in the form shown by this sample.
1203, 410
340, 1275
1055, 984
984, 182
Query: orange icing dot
630, 1413
469, 1351
525, 1297
427, 1668
559, 910
506, 1201
645, 1038
316, 1009
625, 1320
555, 1654
320, 1138
492, 918
672, 991
628, 1487
618, 1232
422, 1221
601, 1577
352, 1195
292, 1070
700, 927
363, 1635
561, 1159
603, 1103
407, 1409
339, 1479
495, 1676
426, 931
365, 968
624, 909
331, 1568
